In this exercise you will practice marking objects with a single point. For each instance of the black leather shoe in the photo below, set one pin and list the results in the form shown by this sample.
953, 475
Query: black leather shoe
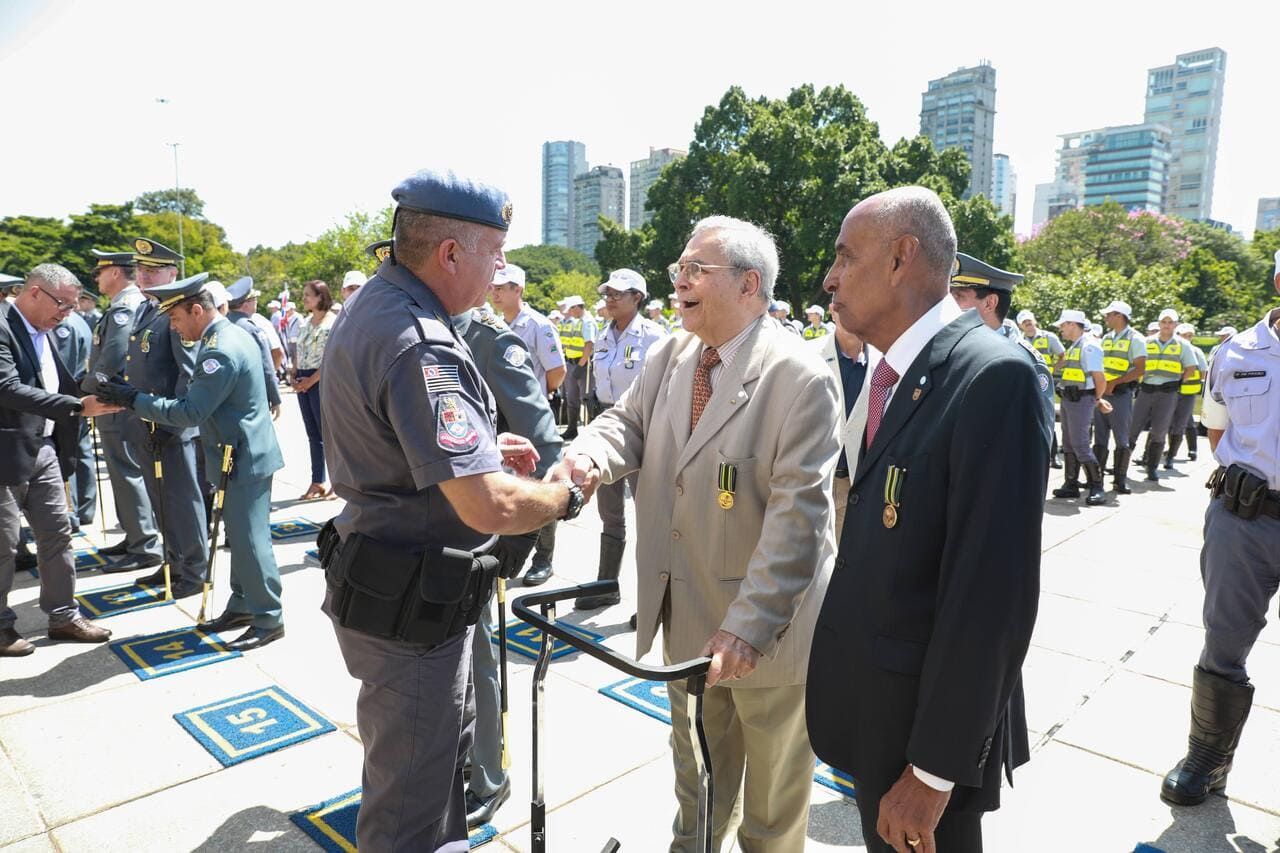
538, 573
480, 810
132, 563
156, 578
25, 561
255, 638
117, 550
182, 588
228, 620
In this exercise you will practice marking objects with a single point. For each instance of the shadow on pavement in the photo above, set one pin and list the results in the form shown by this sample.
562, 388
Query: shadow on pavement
261, 826
68, 676
1207, 828
1064, 507
836, 824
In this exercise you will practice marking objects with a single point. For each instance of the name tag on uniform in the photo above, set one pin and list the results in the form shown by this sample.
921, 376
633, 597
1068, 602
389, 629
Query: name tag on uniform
1249, 374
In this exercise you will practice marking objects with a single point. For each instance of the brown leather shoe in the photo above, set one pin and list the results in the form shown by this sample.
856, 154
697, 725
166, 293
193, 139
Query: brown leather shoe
12, 645
79, 630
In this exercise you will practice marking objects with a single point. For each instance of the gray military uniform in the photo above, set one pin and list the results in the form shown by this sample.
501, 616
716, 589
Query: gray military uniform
74, 341
522, 409
241, 320
404, 408
159, 364
124, 468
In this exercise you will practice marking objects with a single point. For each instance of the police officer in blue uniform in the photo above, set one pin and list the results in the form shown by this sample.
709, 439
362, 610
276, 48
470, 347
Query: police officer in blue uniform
1240, 559
159, 363
114, 274
411, 443
237, 294
226, 399
989, 290
74, 340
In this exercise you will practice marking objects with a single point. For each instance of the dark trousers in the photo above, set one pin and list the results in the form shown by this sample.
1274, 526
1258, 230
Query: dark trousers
186, 526
957, 832
43, 501
84, 480
1240, 567
309, 402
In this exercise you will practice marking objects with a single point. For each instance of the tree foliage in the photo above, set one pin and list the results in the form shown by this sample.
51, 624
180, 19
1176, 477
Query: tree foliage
541, 263
1092, 285
184, 200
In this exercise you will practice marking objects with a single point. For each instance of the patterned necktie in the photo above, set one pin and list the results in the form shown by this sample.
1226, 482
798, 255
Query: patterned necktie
882, 381
702, 384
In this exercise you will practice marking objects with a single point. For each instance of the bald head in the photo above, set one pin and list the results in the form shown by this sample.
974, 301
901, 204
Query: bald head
916, 212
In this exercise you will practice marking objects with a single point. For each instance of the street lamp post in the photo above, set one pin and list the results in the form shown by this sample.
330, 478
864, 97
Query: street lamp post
177, 200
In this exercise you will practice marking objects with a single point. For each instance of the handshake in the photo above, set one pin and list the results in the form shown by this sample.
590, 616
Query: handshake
115, 391
519, 454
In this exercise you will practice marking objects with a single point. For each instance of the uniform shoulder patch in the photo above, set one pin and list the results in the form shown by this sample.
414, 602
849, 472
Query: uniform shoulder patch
120, 318
63, 332
515, 356
454, 430
441, 378
490, 319
210, 365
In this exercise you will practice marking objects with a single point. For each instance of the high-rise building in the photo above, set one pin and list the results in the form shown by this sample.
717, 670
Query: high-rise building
1268, 214
959, 111
1053, 199
1004, 185
1128, 164
1186, 97
643, 174
602, 191
561, 162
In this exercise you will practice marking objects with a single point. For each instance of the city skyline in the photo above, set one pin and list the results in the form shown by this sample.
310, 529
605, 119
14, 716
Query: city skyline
283, 147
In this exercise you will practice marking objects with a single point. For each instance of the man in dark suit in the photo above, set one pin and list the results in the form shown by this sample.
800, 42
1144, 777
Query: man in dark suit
40, 413
914, 679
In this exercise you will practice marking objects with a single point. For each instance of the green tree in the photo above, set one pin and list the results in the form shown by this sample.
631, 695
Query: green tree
204, 244
339, 249
1263, 247
26, 241
184, 201
545, 293
620, 247
1109, 235
540, 263
1090, 286
1213, 285
106, 227
981, 231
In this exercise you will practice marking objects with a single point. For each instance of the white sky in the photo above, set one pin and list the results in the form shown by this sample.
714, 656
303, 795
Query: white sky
291, 114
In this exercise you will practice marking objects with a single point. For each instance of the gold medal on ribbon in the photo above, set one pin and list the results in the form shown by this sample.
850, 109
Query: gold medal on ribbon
146, 341
728, 482
892, 492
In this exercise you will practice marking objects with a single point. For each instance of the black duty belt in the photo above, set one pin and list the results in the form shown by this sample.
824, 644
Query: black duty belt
1074, 394
1123, 388
1166, 388
1244, 493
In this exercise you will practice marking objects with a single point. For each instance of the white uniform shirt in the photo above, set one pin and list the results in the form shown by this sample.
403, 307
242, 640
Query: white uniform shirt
1243, 399
542, 338
617, 356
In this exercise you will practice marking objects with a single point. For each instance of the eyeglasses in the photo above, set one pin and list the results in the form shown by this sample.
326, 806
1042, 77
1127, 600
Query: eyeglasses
694, 270
63, 307
611, 294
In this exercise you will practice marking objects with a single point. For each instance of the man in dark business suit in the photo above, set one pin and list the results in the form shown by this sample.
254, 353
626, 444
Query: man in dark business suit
914, 677
40, 412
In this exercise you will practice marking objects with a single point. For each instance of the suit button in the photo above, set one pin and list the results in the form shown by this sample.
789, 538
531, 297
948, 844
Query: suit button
675, 534
128, 358
853, 498
679, 491
664, 576
133, 337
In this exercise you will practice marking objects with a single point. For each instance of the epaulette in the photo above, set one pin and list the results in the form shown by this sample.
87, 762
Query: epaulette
1022, 342
488, 318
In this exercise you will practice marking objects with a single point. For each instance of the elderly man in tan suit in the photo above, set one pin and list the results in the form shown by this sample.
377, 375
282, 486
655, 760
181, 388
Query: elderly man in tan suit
733, 430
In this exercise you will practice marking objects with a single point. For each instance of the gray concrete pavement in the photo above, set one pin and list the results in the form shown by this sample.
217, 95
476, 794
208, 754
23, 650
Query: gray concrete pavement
91, 758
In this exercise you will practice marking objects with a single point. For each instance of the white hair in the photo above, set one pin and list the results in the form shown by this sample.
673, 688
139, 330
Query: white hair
54, 275
746, 246
919, 212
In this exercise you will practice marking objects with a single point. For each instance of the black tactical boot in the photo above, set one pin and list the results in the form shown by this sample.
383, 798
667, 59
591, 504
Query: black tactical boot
1175, 444
1093, 476
1054, 461
571, 430
1121, 479
1101, 454
1071, 477
1151, 462
1191, 443
1219, 709
611, 549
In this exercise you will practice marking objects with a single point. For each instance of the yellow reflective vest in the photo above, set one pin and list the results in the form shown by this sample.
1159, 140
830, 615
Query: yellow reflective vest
1164, 360
571, 340
1118, 352
1072, 373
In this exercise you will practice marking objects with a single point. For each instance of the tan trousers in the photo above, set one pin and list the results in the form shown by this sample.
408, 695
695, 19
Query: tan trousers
841, 496
759, 730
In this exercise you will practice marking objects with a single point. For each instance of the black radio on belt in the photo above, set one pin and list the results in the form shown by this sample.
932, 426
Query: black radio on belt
1244, 493
1072, 393
415, 596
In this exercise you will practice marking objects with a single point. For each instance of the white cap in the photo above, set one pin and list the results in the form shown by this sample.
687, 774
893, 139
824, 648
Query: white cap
673, 297
624, 280
1278, 262
815, 309
780, 305
218, 292
1169, 314
571, 301
1071, 315
354, 278
1024, 315
654, 305
554, 315
274, 303
1184, 328
1153, 327
1228, 331
510, 274
599, 304
1119, 307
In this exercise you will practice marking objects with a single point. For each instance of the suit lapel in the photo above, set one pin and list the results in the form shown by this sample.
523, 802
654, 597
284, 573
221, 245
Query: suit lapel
914, 387
18, 329
728, 397
680, 395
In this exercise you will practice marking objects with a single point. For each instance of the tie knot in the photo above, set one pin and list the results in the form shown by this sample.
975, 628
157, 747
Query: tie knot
710, 358
884, 376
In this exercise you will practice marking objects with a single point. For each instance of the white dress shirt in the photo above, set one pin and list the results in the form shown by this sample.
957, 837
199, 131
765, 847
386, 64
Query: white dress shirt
48, 369
729, 349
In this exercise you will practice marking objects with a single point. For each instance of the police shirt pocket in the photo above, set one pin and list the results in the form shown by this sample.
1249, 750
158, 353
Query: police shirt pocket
1246, 399
898, 655
736, 506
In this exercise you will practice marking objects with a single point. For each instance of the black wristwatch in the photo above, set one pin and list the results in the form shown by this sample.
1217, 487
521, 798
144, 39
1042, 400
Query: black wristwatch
576, 502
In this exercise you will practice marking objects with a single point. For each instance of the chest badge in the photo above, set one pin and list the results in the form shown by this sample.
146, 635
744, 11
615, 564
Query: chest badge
145, 346
728, 482
893, 480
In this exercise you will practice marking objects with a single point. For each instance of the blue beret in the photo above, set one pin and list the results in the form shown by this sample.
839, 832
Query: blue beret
241, 290
169, 295
453, 197
149, 253
968, 271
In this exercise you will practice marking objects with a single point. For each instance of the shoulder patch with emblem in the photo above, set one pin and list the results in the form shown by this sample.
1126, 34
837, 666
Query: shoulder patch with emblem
515, 356
454, 431
211, 365
64, 332
441, 378
120, 318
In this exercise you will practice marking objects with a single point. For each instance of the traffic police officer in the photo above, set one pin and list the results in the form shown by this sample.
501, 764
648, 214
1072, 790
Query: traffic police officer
1240, 558
74, 340
1124, 359
654, 310
410, 440
1084, 386
1184, 421
1050, 348
227, 399
989, 290
240, 292
1169, 363
507, 369
161, 364
140, 549
577, 337
816, 328
620, 349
